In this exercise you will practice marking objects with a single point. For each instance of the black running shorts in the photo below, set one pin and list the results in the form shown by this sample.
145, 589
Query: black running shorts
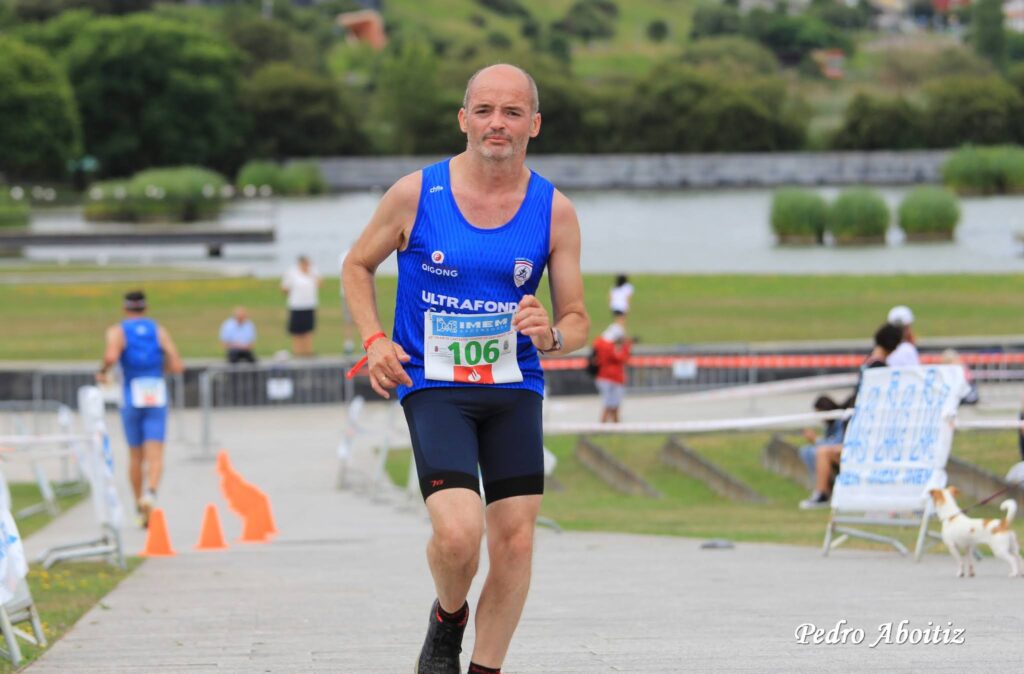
456, 429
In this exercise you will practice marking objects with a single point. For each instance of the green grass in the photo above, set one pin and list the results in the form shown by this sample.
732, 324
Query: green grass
689, 508
628, 53
67, 321
66, 592
24, 494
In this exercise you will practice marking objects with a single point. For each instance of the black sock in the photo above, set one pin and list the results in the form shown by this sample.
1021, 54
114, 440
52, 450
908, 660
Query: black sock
480, 669
457, 617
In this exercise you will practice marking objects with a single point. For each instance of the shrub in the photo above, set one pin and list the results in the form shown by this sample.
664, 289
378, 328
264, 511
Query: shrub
985, 170
879, 124
858, 216
302, 178
710, 20
929, 213
657, 30
259, 173
978, 110
297, 178
108, 202
180, 194
12, 213
731, 56
798, 216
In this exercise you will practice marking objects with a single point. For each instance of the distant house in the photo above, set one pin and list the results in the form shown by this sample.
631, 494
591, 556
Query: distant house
365, 26
1014, 11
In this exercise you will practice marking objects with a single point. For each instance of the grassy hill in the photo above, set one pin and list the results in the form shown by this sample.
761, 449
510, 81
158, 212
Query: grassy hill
628, 52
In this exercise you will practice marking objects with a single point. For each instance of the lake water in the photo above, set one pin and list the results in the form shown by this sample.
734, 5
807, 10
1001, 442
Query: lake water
623, 231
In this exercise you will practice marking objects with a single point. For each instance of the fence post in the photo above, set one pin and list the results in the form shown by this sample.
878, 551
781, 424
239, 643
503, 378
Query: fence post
206, 403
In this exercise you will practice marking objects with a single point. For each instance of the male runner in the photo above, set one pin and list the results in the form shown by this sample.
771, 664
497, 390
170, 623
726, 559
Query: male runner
144, 350
473, 235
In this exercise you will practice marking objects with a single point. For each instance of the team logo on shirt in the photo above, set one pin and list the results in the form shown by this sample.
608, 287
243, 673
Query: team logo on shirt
522, 272
437, 257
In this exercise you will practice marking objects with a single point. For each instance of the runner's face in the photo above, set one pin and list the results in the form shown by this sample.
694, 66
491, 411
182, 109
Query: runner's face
498, 121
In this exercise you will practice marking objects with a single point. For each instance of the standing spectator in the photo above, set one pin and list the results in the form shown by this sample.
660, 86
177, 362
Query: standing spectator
612, 352
619, 297
238, 334
302, 284
905, 354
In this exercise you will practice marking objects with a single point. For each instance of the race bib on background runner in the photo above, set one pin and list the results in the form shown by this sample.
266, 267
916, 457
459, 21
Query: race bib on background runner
149, 392
470, 348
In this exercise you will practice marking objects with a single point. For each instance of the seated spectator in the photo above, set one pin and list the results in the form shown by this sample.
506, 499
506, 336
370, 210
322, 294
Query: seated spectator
905, 355
238, 334
826, 460
834, 429
611, 350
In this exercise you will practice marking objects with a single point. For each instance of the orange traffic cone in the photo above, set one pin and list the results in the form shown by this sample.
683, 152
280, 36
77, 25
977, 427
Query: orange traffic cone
158, 542
266, 513
211, 537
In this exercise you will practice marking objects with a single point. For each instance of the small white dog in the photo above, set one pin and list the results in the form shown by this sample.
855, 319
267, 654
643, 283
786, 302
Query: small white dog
960, 532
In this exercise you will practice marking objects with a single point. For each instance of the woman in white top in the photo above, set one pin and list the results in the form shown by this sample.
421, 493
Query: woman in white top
302, 284
618, 298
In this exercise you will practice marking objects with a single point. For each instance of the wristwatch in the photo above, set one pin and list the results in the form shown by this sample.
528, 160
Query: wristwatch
556, 335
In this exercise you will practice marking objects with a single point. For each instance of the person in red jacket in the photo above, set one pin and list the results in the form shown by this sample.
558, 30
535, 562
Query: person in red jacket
612, 352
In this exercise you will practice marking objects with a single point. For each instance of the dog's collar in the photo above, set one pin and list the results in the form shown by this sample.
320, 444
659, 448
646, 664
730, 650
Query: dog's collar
958, 513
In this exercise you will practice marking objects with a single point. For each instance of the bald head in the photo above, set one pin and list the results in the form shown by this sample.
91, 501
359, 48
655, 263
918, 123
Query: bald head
503, 75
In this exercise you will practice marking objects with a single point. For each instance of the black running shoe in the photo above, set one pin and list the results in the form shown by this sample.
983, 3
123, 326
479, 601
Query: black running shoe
440, 654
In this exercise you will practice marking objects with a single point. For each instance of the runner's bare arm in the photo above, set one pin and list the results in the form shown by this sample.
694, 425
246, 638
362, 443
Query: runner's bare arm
172, 359
387, 231
111, 351
566, 282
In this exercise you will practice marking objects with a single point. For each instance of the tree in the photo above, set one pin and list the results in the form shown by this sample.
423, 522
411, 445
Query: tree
793, 38
987, 33
679, 109
266, 41
590, 19
155, 92
39, 125
984, 111
296, 113
657, 30
415, 113
736, 55
713, 19
42, 10
871, 123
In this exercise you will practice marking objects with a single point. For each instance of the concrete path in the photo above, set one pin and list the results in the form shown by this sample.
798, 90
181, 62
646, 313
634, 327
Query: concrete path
345, 587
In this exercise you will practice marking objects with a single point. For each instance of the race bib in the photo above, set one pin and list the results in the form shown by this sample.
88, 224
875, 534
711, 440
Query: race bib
475, 349
149, 392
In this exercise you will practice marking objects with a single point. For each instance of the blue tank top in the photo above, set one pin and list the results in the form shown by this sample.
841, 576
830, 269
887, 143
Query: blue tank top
450, 266
142, 355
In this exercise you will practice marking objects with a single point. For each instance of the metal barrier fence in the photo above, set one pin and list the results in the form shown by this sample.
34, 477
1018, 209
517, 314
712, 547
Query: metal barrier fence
271, 385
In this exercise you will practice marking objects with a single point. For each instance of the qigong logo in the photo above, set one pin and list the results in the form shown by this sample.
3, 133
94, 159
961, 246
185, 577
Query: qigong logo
436, 267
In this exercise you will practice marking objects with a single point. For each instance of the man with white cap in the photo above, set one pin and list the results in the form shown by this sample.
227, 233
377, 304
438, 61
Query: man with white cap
612, 352
906, 354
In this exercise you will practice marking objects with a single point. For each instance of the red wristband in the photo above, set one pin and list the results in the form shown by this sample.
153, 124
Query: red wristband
362, 361
371, 339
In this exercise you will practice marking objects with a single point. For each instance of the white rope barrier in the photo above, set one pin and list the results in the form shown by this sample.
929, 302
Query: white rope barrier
36, 440
698, 426
745, 423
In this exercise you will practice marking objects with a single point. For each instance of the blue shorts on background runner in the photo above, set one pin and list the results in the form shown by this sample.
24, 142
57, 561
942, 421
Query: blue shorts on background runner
455, 430
144, 424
